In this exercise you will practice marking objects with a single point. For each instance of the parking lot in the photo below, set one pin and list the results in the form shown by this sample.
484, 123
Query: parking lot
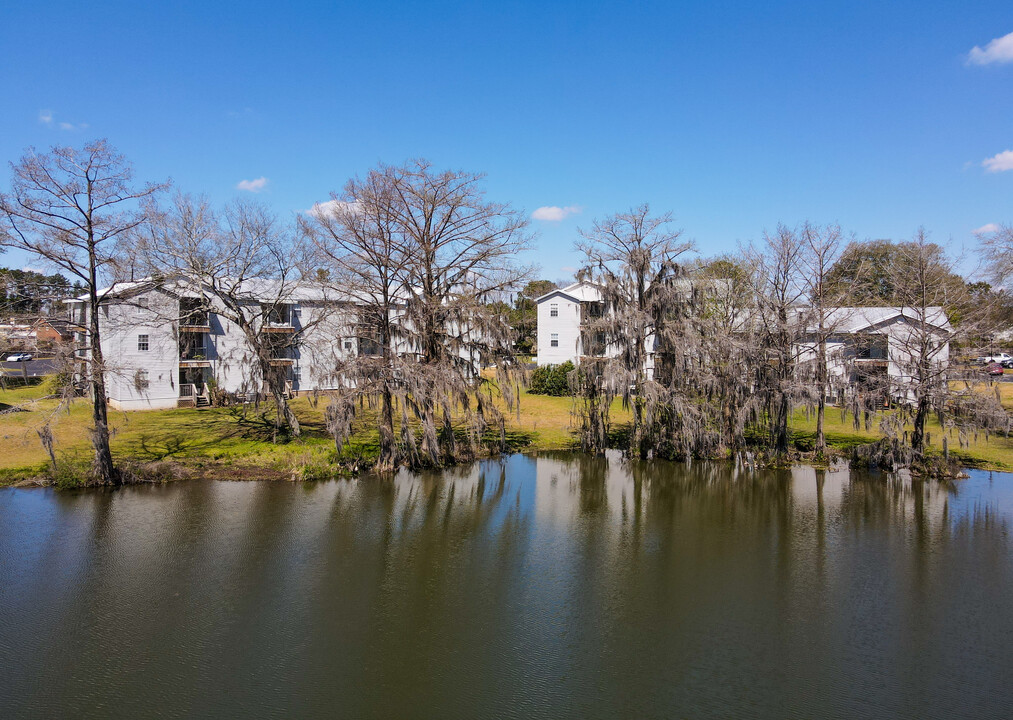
30, 368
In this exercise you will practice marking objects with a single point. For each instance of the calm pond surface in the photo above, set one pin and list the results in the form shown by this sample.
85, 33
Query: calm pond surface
556, 586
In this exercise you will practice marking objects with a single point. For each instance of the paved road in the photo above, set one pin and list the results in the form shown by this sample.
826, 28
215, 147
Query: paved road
33, 367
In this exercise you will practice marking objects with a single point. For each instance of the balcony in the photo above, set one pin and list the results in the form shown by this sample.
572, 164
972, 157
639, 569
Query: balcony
193, 354
195, 323
281, 357
277, 319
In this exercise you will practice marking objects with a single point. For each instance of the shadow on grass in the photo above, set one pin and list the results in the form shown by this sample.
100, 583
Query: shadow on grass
201, 432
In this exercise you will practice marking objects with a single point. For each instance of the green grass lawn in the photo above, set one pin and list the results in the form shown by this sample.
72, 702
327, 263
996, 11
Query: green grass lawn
246, 441
224, 436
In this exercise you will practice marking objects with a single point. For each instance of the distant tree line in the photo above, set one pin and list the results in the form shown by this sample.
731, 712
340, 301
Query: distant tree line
27, 294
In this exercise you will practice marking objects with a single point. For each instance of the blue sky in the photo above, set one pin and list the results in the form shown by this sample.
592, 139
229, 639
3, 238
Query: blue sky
732, 115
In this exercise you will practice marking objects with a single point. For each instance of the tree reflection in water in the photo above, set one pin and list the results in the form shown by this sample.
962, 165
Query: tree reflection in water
552, 586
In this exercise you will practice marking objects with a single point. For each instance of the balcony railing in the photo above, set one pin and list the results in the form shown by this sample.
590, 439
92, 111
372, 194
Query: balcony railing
193, 355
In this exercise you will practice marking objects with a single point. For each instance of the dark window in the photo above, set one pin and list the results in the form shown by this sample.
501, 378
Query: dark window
277, 314
142, 342
193, 312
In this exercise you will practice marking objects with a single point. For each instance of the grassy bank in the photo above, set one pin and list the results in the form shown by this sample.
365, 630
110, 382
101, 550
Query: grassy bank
231, 442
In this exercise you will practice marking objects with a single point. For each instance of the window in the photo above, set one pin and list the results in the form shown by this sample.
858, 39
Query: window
142, 342
141, 380
348, 345
554, 310
142, 302
554, 340
193, 312
278, 314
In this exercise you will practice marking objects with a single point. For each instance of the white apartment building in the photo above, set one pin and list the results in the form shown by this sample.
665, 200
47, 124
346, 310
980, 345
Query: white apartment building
560, 315
878, 346
867, 341
163, 348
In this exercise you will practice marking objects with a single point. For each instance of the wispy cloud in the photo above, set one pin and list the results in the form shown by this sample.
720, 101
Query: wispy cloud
552, 213
999, 50
47, 118
986, 229
253, 186
999, 163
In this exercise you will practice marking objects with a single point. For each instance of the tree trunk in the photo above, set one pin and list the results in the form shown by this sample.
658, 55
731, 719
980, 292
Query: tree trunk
103, 463
821, 383
781, 425
284, 410
388, 459
918, 436
448, 439
276, 384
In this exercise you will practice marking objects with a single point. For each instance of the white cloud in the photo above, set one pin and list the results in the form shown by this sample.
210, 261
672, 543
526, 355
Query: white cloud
986, 229
553, 213
46, 117
999, 163
999, 50
253, 186
332, 207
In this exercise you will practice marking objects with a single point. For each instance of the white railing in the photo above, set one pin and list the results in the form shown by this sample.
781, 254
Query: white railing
187, 390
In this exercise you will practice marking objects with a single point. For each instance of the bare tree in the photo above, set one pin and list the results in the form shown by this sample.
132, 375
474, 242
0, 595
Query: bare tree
722, 338
997, 248
364, 258
631, 258
423, 258
70, 207
920, 275
460, 250
822, 248
243, 265
780, 326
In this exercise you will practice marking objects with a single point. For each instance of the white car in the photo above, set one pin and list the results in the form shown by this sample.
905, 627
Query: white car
19, 357
998, 357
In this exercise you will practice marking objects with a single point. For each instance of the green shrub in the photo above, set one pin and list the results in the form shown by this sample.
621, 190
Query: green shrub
71, 475
551, 380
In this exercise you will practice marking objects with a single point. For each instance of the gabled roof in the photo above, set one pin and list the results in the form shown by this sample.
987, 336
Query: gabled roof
577, 292
863, 319
254, 289
119, 289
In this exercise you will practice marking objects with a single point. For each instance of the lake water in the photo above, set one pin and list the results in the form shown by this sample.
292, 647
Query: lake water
556, 586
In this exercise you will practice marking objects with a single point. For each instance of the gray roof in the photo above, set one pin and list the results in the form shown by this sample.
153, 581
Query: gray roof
864, 319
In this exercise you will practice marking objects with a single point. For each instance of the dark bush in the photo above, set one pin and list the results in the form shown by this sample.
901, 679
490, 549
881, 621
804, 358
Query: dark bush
551, 380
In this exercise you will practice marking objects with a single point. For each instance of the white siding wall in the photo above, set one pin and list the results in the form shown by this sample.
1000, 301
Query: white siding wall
233, 362
322, 345
120, 324
566, 325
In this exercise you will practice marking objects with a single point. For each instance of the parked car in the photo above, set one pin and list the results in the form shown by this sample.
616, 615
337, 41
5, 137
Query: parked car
1007, 364
993, 368
19, 357
996, 358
